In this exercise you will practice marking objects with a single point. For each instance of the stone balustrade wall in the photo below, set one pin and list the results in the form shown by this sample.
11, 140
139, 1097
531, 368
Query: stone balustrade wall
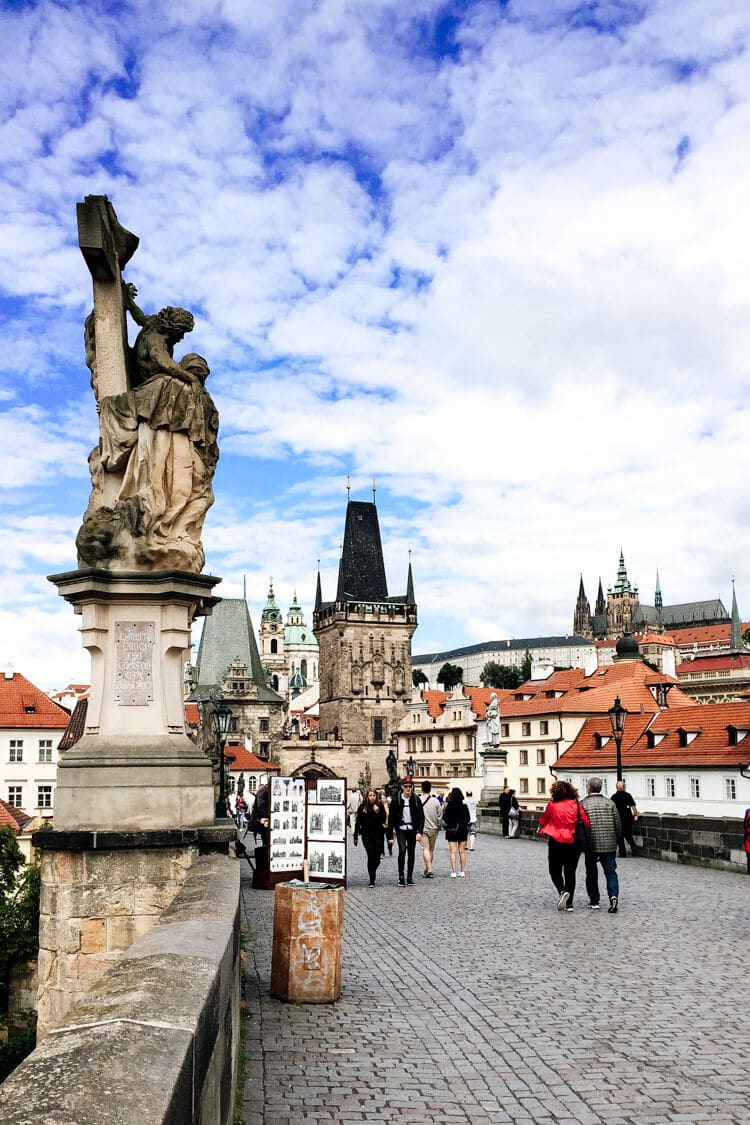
702, 840
154, 1040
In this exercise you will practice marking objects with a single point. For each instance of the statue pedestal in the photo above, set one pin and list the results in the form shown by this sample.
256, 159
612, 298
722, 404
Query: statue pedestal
135, 769
495, 760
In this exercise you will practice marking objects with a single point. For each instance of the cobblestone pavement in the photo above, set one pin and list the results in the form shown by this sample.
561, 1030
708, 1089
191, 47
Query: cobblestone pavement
475, 1000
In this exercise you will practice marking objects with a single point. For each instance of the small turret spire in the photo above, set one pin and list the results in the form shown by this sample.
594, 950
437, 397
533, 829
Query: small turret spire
657, 596
318, 591
735, 632
410, 599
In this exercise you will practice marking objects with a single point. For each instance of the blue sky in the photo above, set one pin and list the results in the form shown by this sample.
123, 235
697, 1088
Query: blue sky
492, 254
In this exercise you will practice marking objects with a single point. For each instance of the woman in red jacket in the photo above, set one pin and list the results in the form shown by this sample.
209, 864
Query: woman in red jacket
558, 824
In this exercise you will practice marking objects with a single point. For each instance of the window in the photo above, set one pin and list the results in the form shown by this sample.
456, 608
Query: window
264, 749
541, 786
525, 729
274, 646
16, 749
377, 730
730, 789
650, 786
252, 783
456, 742
415, 718
523, 785
441, 743
438, 770
695, 787
424, 745
505, 730
45, 749
44, 797
15, 795
669, 786
275, 682
263, 726
303, 667
523, 757
540, 757
544, 727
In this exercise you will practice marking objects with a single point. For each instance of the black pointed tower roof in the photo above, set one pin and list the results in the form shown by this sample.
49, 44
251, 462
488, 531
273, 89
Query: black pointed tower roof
361, 568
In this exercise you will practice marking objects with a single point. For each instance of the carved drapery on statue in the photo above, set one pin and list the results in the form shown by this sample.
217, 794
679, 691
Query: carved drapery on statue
153, 468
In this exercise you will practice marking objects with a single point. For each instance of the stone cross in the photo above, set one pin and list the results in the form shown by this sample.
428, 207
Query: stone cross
106, 247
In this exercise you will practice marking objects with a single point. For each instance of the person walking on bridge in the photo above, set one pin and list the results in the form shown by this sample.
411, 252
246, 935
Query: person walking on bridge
558, 824
369, 823
433, 813
405, 822
456, 824
605, 832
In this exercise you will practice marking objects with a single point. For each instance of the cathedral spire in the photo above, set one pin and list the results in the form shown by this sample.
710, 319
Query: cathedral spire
657, 596
735, 633
622, 585
600, 608
582, 616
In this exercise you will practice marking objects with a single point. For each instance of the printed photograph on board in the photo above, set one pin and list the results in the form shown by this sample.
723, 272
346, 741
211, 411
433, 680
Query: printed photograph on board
325, 823
331, 792
327, 859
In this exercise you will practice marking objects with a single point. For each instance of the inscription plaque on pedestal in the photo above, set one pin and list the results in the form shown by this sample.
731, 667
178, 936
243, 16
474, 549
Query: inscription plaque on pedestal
134, 645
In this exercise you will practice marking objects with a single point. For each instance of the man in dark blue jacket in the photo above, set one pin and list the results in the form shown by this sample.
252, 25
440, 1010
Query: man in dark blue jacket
405, 821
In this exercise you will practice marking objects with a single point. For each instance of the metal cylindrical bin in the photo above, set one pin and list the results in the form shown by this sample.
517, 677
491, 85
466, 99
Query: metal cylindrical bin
308, 942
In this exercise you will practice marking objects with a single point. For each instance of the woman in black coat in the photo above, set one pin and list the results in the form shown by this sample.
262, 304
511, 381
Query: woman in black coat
370, 825
456, 825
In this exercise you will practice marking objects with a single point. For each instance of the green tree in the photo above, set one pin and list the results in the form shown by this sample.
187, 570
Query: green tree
19, 906
526, 667
495, 675
450, 675
418, 677
746, 636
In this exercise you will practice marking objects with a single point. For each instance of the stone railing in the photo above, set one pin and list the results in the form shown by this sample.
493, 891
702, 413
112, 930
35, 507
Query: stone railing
155, 1040
702, 840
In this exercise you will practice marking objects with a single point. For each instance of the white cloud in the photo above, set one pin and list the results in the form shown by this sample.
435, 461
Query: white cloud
508, 280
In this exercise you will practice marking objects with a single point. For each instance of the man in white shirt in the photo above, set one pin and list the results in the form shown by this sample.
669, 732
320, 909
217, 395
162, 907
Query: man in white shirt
433, 814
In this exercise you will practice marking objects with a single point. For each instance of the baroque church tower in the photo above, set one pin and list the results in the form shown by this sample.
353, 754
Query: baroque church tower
272, 653
365, 646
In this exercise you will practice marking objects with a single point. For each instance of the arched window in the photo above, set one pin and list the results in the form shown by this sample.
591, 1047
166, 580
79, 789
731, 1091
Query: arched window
275, 682
303, 668
274, 645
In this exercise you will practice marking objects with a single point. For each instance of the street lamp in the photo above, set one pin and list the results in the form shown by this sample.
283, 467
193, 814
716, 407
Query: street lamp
617, 717
221, 718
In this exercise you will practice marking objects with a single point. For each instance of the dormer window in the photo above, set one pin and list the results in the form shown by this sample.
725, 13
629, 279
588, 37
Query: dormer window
687, 736
653, 738
30, 709
601, 740
736, 735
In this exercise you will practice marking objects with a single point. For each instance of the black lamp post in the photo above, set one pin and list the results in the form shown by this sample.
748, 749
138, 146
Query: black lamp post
617, 717
221, 718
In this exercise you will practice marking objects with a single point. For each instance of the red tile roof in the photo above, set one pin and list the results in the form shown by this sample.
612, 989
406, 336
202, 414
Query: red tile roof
704, 635
721, 661
479, 697
22, 704
241, 759
13, 817
710, 747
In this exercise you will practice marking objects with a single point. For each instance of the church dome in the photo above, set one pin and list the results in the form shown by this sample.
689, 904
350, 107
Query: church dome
627, 645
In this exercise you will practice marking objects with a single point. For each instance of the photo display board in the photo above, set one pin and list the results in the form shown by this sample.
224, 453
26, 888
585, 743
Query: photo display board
308, 818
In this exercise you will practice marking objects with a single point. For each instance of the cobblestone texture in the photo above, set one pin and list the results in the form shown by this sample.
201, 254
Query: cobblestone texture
512, 1012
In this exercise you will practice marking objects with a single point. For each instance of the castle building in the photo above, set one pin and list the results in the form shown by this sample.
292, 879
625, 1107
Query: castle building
623, 612
365, 649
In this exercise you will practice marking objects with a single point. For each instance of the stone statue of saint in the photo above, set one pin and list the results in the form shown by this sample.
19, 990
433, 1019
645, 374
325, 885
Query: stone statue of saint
157, 453
391, 764
153, 468
492, 719
240, 785
410, 766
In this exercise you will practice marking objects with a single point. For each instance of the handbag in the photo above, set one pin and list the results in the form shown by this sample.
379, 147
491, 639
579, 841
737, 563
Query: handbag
581, 832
